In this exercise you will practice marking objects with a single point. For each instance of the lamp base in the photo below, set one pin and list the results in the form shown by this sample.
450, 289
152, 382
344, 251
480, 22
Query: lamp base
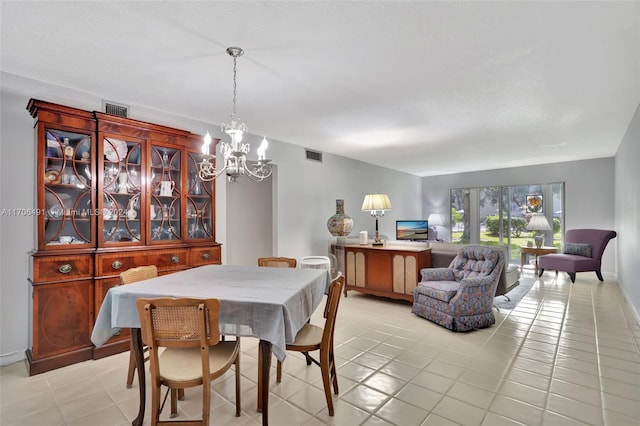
377, 243
539, 240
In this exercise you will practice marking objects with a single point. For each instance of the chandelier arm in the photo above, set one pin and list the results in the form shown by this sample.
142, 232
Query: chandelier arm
208, 172
258, 177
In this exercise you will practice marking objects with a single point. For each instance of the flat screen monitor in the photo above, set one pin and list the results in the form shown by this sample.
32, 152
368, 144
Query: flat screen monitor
412, 230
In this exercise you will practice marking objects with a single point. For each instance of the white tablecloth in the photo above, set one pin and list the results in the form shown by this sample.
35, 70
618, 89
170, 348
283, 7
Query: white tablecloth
271, 304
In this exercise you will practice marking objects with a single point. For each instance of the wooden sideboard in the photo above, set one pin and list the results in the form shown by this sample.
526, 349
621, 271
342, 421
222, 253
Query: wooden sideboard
391, 272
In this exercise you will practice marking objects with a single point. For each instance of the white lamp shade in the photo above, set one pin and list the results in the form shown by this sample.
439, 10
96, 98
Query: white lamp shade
435, 219
376, 202
538, 222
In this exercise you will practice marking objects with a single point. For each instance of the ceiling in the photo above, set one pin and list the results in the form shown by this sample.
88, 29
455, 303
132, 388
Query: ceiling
426, 88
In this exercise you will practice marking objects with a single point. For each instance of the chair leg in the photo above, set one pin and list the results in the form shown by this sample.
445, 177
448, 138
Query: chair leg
132, 367
279, 372
308, 358
155, 404
540, 272
206, 400
325, 371
238, 405
572, 275
334, 375
174, 402
599, 274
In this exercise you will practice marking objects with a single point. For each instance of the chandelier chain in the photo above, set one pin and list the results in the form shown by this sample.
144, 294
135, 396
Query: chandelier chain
235, 87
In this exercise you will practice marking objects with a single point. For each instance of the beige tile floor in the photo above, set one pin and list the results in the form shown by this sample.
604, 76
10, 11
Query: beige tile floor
566, 355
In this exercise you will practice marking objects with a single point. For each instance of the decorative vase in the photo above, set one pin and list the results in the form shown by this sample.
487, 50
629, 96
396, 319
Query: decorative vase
339, 224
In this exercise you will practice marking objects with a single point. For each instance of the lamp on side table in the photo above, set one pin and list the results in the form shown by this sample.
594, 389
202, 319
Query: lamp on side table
538, 222
376, 204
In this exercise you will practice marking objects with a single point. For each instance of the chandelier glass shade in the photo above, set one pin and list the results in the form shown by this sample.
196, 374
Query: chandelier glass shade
234, 152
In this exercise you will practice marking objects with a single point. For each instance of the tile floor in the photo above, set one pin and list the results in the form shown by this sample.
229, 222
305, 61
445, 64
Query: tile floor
566, 355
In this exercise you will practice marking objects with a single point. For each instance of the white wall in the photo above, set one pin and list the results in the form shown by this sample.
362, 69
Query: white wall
589, 193
249, 221
627, 208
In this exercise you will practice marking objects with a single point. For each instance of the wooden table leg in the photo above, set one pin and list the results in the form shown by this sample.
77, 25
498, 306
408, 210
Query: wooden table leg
136, 340
522, 255
264, 368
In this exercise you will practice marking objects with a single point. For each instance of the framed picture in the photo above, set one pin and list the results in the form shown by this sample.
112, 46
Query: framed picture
534, 203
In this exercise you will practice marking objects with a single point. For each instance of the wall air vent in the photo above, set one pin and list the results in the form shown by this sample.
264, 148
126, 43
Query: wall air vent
115, 109
313, 155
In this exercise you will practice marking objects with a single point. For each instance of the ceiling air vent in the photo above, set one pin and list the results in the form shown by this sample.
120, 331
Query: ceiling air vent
313, 155
115, 109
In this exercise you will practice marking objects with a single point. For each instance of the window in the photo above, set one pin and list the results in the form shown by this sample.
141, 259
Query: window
498, 215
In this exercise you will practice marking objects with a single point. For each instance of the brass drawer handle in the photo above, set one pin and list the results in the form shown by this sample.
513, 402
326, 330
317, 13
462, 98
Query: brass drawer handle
206, 256
175, 260
65, 268
116, 265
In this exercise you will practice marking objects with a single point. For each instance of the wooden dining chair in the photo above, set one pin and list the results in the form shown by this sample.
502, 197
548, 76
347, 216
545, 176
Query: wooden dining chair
278, 262
312, 338
193, 355
129, 276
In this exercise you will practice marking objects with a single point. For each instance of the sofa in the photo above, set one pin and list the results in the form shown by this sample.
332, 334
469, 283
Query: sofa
443, 253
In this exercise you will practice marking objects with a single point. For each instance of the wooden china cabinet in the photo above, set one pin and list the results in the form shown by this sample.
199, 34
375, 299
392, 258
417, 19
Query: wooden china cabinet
112, 193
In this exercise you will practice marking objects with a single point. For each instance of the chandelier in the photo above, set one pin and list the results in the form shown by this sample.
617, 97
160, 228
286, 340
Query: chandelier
235, 152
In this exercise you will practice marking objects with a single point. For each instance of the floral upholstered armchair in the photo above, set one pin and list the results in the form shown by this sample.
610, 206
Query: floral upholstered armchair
460, 297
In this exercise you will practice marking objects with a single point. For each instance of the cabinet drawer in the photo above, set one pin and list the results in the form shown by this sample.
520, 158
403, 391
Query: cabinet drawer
205, 256
109, 264
169, 259
62, 268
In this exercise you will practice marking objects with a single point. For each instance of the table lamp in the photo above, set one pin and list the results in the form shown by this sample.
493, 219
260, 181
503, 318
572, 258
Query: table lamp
538, 222
435, 220
376, 204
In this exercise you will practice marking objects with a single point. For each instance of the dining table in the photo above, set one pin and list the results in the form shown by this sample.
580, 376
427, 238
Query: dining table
270, 304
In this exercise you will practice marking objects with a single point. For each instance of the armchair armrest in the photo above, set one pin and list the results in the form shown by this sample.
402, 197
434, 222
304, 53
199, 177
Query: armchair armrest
437, 274
475, 282
471, 286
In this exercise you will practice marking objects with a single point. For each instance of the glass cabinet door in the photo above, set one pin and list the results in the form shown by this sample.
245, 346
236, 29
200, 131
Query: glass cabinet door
199, 201
165, 186
121, 203
68, 201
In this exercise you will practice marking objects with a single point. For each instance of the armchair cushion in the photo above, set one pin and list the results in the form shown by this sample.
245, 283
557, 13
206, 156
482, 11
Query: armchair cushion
578, 249
441, 290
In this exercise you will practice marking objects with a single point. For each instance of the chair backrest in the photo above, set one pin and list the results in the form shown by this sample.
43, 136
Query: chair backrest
336, 288
138, 274
278, 262
315, 262
179, 323
596, 238
478, 261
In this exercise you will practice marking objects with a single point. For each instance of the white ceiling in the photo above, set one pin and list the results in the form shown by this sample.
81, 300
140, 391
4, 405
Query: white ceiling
423, 87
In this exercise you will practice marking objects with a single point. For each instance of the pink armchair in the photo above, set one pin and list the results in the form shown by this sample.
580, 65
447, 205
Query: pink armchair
582, 252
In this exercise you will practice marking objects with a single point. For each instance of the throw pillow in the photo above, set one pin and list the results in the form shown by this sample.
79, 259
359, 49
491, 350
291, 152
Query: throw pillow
578, 249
